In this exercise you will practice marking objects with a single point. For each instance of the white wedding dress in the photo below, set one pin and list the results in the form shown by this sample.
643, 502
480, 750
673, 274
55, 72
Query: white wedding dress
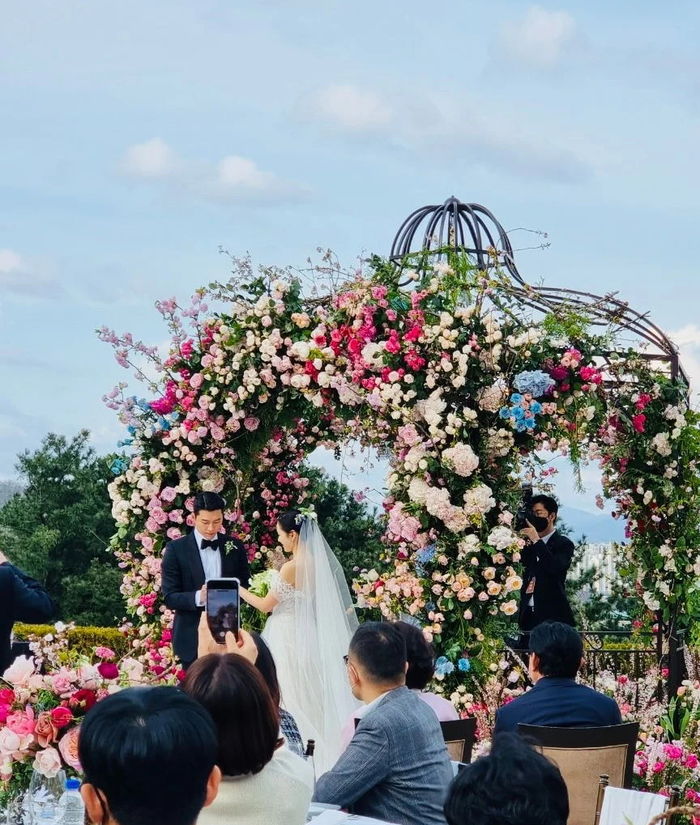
308, 633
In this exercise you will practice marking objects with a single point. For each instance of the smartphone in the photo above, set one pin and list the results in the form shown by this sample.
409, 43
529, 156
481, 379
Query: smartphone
223, 608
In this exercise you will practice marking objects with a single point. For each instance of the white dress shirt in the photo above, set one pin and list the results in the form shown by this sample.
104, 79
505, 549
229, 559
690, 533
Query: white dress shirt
211, 562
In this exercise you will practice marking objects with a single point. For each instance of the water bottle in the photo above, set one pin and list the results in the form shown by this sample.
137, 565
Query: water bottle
71, 806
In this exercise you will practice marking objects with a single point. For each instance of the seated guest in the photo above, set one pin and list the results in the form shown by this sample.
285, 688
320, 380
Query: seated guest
266, 665
421, 667
148, 756
396, 766
263, 783
557, 699
513, 785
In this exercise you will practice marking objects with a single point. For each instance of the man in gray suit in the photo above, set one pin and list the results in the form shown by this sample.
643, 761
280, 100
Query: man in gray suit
396, 767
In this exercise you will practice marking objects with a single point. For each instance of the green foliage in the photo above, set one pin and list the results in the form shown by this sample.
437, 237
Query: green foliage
81, 640
58, 528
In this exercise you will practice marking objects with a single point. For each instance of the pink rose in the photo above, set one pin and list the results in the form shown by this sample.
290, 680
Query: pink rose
45, 731
14, 745
108, 670
19, 671
61, 716
48, 762
251, 423
638, 422
104, 653
68, 746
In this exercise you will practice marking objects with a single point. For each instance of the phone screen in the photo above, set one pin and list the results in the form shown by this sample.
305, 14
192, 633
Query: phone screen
223, 608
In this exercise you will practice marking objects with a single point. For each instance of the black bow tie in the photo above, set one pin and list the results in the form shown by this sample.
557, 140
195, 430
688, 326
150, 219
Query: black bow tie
213, 543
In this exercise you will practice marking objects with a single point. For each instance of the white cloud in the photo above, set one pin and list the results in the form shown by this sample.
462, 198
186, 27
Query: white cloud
538, 39
687, 339
441, 128
21, 278
152, 159
232, 178
349, 108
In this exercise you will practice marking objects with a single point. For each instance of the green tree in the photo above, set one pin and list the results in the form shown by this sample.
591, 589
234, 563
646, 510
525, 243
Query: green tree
353, 532
58, 528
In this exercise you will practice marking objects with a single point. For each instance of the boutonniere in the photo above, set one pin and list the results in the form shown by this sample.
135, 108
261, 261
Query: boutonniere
229, 546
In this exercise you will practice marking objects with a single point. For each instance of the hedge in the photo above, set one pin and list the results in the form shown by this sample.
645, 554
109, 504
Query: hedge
80, 639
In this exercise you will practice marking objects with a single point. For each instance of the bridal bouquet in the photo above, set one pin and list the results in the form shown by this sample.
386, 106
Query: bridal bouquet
43, 699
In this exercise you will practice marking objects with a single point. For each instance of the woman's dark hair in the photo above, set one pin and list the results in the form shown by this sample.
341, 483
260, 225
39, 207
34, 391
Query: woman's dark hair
513, 785
150, 751
246, 718
209, 502
266, 665
291, 520
380, 649
419, 655
559, 649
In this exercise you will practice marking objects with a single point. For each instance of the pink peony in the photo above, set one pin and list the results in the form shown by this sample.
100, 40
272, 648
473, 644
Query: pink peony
105, 653
21, 722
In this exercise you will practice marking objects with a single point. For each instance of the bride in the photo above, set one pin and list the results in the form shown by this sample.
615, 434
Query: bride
312, 620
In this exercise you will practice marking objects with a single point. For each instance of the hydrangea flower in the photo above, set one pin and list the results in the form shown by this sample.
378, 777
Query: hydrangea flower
443, 666
534, 382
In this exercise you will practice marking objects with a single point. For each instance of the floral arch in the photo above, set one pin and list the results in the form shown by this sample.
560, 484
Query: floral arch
446, 360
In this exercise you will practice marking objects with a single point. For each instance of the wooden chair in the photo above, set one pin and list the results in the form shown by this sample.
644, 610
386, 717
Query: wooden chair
459, 736
582, 755
635, 807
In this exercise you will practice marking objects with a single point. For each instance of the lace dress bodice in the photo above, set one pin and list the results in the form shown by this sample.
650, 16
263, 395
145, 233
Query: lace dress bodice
286, 595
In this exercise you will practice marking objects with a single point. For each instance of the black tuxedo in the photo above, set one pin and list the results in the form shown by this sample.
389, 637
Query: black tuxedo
546, 562
183, 575
22, 599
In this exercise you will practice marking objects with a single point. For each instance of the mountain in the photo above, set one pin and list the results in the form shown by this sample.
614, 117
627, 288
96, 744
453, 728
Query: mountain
596, 527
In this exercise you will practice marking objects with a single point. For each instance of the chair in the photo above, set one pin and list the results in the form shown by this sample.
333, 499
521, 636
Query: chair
622, 805
582, 755
459, 735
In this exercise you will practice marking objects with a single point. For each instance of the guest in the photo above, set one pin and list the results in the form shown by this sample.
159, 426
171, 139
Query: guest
546, 558
266, 665
189, 562
22, 599
263, 783
557, 699
396, 766
421, 668
513, 785
148, 756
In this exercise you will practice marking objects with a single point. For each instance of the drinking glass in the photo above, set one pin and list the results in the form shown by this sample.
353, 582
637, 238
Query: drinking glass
44, 795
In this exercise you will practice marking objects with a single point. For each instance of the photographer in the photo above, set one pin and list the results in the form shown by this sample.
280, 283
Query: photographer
546, 558
22, 599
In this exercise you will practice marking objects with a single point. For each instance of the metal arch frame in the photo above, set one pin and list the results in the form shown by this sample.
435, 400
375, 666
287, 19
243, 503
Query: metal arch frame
472, 228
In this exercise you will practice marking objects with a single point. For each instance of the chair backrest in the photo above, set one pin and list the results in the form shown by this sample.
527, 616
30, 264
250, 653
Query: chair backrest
582, 755
459, 735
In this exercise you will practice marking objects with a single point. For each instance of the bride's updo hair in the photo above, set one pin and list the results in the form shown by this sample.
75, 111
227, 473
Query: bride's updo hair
290, 521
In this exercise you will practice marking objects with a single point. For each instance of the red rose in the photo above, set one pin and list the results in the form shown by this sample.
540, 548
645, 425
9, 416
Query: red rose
4, 713
61, 717
83, 698
7, 696
108, 670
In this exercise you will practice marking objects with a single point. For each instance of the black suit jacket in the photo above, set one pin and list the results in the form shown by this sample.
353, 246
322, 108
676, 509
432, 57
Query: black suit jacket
183, 575
548, 563
22, 599
560, 703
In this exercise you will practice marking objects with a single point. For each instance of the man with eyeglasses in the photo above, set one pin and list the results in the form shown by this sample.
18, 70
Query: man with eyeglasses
396, 767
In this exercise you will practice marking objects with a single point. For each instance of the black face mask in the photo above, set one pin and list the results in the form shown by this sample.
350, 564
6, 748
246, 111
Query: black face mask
540, 523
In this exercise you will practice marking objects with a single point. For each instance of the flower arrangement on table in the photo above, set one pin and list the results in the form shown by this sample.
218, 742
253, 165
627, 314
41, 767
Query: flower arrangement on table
43, 699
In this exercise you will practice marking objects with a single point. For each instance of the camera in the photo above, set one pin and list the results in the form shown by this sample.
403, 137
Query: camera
524, 513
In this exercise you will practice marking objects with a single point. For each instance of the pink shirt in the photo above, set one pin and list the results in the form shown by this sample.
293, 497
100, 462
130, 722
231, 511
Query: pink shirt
443, 709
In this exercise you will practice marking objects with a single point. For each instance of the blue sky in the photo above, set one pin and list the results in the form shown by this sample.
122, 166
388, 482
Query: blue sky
139, 137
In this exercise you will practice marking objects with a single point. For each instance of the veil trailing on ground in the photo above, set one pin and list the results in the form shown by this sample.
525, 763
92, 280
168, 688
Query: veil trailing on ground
325, 621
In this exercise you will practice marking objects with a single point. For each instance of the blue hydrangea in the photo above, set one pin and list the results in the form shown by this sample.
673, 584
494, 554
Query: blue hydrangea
464, 665
516, 398
118, 466
443, 666
504, 412
535, 382
125, 442
427, 554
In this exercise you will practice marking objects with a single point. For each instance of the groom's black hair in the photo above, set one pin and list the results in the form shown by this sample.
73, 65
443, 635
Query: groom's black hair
209, 502
379, 647
150, 751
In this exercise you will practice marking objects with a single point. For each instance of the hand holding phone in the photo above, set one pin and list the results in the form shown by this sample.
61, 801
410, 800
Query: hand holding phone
223, 608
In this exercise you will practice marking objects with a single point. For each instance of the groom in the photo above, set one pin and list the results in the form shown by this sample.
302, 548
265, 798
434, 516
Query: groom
190, 562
